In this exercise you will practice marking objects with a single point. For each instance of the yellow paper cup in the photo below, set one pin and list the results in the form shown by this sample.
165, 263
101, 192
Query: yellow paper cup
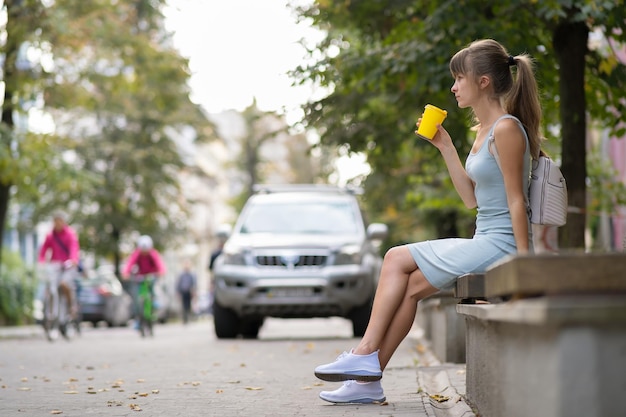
431, 117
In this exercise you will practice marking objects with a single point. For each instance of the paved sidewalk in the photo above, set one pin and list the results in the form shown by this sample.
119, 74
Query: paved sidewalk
416, 384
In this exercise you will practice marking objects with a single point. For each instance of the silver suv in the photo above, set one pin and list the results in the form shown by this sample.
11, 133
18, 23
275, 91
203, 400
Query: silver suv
297, 251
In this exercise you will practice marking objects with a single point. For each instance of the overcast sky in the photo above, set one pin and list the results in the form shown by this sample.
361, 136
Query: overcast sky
240, 49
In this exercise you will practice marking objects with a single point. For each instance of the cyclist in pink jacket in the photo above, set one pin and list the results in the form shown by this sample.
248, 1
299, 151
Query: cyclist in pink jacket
144, 261
60, 250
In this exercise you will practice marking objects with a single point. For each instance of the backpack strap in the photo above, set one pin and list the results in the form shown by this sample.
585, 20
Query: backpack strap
492, 138
494, 150
60, 243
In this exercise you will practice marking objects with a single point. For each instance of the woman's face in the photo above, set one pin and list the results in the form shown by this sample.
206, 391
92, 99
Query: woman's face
464, 90
58, 224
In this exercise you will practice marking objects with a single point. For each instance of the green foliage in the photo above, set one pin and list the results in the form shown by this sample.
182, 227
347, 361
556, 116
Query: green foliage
17, 290
120, 101
383, 61
608, 193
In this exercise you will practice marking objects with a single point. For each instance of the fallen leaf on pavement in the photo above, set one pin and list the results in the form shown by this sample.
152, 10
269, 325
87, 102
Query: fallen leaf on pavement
254, 388
219, 391
23, 389
143, 394
439, 398
155, 391
70, 392
134, 407
56, 412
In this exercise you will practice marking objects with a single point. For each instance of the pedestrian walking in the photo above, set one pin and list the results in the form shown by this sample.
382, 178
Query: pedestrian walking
186, 288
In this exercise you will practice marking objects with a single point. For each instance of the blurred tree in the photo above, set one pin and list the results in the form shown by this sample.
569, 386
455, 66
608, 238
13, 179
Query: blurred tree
383, 61
24, 70
269, 152
121, 107
126, 116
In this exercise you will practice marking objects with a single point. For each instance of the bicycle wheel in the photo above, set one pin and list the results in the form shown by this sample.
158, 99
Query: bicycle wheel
63, 317
47, 321
142, 318
146, 317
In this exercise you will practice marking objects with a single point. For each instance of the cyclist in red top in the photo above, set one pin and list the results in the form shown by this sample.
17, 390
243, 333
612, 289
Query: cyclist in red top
144, 261
61, 250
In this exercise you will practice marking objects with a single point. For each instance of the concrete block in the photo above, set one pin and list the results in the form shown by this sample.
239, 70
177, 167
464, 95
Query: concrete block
443, 327
567, 273
549, 357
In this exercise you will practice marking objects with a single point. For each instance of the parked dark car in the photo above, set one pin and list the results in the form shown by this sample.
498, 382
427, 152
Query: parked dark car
102, 298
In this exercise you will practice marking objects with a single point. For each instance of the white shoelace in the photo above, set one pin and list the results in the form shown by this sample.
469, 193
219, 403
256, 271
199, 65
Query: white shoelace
343, 355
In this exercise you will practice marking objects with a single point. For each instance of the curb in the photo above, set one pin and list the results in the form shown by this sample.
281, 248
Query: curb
442, 385
442, 395
21, 332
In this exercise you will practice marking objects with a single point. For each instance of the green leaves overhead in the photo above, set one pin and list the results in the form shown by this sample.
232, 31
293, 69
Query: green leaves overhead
383, 61
119, 96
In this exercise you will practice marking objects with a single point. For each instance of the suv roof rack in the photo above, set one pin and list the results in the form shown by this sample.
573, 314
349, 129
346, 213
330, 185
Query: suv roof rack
286, 188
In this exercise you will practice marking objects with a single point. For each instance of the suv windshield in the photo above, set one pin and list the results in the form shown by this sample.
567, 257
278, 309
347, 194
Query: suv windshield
294, 218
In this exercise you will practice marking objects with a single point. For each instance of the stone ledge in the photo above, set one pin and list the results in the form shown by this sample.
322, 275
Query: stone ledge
555, 310
567, 273
470, 286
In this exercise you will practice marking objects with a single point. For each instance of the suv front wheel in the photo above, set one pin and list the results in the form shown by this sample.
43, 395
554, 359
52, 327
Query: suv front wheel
226, 322
360, 317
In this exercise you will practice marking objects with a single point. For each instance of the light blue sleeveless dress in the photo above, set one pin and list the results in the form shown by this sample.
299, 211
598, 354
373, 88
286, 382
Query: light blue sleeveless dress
443, 260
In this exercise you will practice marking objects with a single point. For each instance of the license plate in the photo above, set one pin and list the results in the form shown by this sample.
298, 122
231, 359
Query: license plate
90, 299
290, 292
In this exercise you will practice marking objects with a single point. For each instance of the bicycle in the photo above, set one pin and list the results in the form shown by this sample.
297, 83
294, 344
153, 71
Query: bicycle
144, 304
56, 316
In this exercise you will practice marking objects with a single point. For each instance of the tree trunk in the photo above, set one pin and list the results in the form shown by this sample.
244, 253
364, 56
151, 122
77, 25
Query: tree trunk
570, 45
14, 38
4, 206
6, 119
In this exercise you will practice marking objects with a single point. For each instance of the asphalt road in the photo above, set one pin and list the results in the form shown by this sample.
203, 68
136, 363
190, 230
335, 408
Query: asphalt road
186, 371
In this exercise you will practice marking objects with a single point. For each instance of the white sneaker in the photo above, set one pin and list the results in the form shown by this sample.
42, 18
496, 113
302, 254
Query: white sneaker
355, 392
350, 366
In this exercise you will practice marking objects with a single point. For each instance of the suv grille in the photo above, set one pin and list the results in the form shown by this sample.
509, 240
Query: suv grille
291, 261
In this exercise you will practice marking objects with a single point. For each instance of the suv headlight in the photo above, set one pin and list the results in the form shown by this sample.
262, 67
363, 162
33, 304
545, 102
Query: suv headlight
348, 255
233, 258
